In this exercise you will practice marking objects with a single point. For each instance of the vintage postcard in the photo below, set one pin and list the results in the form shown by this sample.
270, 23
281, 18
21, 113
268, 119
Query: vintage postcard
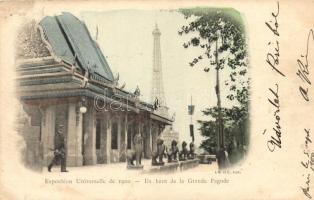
157, 100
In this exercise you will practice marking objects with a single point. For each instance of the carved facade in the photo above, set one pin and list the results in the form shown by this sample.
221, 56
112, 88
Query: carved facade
29, 42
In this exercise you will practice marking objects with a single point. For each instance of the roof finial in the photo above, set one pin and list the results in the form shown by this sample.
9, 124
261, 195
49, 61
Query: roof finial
96, 36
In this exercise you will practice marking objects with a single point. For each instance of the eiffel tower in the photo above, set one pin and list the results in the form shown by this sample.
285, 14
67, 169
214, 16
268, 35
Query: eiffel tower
157, 92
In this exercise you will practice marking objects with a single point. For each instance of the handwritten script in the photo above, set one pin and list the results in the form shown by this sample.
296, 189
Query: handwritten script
303, 67
308, 164
303, 73
272, 59
303, 62
275, 141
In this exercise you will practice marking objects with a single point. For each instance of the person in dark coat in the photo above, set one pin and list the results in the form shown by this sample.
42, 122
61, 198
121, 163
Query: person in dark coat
222, 157
59, 150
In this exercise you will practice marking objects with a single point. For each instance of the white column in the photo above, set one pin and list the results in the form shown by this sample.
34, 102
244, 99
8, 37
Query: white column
108, 141
154, 138
126, 134
151, 132
103, 139
48, 133
133, 132
119, 136
90, 137
149, 145
74, 153
79, 134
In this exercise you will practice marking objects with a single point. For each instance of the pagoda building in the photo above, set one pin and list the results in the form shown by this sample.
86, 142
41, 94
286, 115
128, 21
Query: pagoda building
63, 78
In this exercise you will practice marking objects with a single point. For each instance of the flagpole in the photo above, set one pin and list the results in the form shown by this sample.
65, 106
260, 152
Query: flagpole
191, 114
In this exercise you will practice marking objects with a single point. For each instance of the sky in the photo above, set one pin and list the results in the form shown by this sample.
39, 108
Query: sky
125, 38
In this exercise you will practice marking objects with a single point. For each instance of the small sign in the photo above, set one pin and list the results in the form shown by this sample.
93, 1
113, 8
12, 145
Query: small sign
191, 109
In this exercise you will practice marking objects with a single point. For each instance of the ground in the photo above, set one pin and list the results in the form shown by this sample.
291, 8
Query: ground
118, 168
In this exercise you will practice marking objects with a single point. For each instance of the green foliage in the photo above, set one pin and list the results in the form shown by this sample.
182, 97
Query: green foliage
226, 27
235, 130
209, 27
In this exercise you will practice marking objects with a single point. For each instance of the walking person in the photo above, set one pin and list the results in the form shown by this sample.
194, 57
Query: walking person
59, 150
227, 161
220, 158
223, 158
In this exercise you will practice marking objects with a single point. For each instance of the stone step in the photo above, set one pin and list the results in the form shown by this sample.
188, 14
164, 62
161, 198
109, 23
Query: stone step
172, 167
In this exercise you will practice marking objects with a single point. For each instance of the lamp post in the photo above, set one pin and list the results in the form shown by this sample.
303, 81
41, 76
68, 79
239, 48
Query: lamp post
80, 109
83, 109
82, 106
191, 112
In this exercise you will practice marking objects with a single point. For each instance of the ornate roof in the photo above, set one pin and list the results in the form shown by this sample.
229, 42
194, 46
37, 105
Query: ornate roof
48, 54
70, 40
29, 42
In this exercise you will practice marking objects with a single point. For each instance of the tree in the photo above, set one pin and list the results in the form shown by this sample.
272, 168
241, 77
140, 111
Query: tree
235, 127
220, 35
